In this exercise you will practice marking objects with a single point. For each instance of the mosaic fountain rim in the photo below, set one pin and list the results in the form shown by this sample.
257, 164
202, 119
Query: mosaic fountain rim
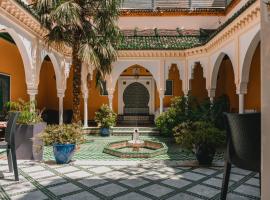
162, 149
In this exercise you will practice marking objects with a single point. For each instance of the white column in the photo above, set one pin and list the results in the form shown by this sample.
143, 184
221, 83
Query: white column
211, 95
161, 97
85, 108
32, 96
110, 97
61, 107
241, 103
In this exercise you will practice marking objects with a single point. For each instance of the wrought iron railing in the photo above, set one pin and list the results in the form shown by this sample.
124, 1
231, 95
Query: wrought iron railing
174, 4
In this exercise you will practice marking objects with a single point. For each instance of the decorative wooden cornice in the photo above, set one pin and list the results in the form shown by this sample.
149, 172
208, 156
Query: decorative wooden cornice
173, 12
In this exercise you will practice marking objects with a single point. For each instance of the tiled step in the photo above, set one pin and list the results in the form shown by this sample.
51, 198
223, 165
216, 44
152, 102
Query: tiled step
124, 130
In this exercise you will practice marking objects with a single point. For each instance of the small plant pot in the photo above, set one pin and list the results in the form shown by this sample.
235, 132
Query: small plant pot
63, 153
105, 132
205, 154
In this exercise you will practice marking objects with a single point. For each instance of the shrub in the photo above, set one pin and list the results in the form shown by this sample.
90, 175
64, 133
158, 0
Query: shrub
62, 134
105, 117
173, 116
26, 116
193, 134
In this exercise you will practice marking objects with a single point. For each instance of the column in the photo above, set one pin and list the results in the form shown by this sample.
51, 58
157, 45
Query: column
32, 96
61, 107
110, 97
161, 97
85, 108
211, 95
241, 103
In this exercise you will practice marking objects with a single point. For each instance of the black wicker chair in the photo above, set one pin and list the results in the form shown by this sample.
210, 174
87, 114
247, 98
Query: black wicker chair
9, 144
243, 145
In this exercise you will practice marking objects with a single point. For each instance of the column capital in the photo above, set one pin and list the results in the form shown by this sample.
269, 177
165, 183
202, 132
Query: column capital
162, 92
32, 91
60, 93
211, 92
242, 88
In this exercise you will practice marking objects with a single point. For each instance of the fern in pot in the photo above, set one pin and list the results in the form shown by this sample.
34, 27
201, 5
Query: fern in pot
105, 118
64, 139
201, 137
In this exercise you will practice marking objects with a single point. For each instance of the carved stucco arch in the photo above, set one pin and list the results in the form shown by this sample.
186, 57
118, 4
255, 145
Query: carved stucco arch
248, 56
152, 66
56, 66
26, 58
216, 67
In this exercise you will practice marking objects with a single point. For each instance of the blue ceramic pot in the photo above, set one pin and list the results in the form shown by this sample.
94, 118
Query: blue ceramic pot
63, 152
105, 132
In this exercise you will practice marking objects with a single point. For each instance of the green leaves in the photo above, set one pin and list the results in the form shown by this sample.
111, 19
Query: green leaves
63, 134
105, 117
26, 116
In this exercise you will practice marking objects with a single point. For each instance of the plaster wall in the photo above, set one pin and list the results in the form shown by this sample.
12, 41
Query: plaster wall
265, 94
11, 64
169, 22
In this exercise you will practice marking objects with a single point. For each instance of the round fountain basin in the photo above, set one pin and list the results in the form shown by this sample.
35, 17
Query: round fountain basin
133, 149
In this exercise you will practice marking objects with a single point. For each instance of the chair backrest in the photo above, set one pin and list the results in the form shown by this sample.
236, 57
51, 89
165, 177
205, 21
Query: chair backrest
11, 127
244, 140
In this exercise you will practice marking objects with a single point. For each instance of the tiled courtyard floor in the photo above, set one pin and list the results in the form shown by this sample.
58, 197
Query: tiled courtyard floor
123, 180
93, 149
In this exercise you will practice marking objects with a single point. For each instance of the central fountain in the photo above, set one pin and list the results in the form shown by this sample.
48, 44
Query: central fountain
136, 148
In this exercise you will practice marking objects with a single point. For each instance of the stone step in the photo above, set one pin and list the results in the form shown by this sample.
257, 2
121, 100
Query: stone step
124, 130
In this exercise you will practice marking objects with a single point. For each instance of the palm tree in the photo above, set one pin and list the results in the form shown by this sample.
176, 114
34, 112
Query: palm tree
89, 28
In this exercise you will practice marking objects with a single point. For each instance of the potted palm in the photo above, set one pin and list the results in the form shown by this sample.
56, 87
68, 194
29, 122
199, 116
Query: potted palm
201, 137
29, 125
105, 118
64, 139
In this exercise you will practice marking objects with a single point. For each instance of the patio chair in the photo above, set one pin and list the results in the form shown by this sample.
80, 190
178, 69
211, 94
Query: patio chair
9, 144
243, 145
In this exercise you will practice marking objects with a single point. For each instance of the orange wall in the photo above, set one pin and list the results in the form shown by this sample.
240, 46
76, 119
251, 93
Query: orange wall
47, 92
253, 97
177, 88
226, 84
11, 64
198, 84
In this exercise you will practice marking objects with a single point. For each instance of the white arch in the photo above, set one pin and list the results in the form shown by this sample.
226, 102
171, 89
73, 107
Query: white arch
216, 68
245, 72
118, 67
23, 52
56, 67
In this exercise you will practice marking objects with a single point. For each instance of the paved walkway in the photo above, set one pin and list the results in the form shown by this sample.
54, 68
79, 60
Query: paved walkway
123, 180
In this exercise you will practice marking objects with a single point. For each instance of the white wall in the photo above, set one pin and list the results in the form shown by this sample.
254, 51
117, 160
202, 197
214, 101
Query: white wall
170, 22
265, 74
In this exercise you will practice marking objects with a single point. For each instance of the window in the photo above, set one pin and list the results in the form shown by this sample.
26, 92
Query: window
169, 88
103, 89
4, 93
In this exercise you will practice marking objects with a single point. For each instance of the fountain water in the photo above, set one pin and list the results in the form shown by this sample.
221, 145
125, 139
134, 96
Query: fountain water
136, 143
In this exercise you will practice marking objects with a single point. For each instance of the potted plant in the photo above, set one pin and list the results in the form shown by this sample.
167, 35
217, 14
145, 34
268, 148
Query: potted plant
29, 125
105, 118
64, 139
201, 137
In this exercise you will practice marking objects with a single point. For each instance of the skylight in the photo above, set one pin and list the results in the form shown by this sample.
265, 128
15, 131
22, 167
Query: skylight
174, 4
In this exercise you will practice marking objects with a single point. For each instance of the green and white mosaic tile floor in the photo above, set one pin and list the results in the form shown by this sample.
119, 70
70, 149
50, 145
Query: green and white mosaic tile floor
145, 181
93, 150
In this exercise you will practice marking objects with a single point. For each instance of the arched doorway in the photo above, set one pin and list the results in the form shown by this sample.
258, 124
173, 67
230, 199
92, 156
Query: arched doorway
47, 99
136, 99
198, 84
253, 96
12, 73
226, 83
